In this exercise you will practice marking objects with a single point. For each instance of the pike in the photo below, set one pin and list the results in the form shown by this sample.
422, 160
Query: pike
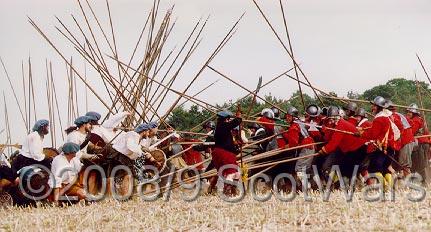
278, 151
181, 152
328, 128
14, 94
265, 123
285, 48
253, 101
283, 161
196, 94
196, 143
244, 88
162, 140
421, 102
291, 51
423, 67
62, 56
364, 101
267, 83
318, 90
214, 173
215, 52
206, 160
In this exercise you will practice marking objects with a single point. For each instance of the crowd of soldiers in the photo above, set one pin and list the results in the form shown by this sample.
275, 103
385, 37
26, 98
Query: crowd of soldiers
388, 146
391, 143
87, 143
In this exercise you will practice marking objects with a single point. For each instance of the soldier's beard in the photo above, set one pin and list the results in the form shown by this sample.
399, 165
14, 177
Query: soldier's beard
44, 131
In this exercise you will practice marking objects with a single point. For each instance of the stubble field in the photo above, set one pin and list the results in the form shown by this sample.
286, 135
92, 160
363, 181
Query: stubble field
210, 213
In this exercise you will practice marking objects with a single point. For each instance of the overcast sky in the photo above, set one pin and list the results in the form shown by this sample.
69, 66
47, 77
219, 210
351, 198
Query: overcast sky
341, 45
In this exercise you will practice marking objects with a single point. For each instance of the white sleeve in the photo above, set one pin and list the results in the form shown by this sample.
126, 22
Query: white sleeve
56, 172
133, 145
77, 164
35, 148
72, 138
107, 134
115, 120
243, 137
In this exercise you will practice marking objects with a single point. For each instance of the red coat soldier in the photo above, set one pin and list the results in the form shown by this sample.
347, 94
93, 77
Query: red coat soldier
383, 134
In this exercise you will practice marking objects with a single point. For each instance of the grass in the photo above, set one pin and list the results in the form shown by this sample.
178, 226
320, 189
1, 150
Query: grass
209, 213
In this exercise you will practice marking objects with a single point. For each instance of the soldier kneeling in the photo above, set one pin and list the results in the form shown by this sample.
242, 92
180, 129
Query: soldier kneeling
64, 179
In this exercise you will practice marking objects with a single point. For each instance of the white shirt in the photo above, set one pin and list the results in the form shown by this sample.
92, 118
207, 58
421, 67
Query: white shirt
128, 145
75, 137
32, 147
63, 171
78, 138
106, 130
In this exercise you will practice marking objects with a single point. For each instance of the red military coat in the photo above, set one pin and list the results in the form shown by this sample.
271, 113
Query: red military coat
345, 142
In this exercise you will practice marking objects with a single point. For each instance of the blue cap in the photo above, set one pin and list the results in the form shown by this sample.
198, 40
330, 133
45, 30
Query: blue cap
82, 120
142, 127
94, 116
153, 125
40, 124
225, 114
69, 148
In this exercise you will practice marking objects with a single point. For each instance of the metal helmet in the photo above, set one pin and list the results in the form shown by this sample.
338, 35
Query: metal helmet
209, 124
292, 111
254, 126
276, 112
268, 113
352, 106
413, 108
380, 101
390, 104
360, 112
325, 111
333, 112
341, 112
312, 110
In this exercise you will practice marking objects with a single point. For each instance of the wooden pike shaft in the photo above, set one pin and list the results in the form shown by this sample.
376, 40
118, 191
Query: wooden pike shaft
30, 76
421, 102
239, 100
278, 151
249, 91
285, 48
283, 161
181, 152
423, 67
27, 126
65, 60
14, 94
265, 123
364, 101
214, 173
291, 51
199, 92
219, 47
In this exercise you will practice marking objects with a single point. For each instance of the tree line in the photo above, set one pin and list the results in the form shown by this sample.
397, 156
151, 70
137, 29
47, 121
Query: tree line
399, 90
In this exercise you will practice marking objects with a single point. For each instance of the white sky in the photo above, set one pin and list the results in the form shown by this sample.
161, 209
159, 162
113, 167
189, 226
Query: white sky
341, 45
